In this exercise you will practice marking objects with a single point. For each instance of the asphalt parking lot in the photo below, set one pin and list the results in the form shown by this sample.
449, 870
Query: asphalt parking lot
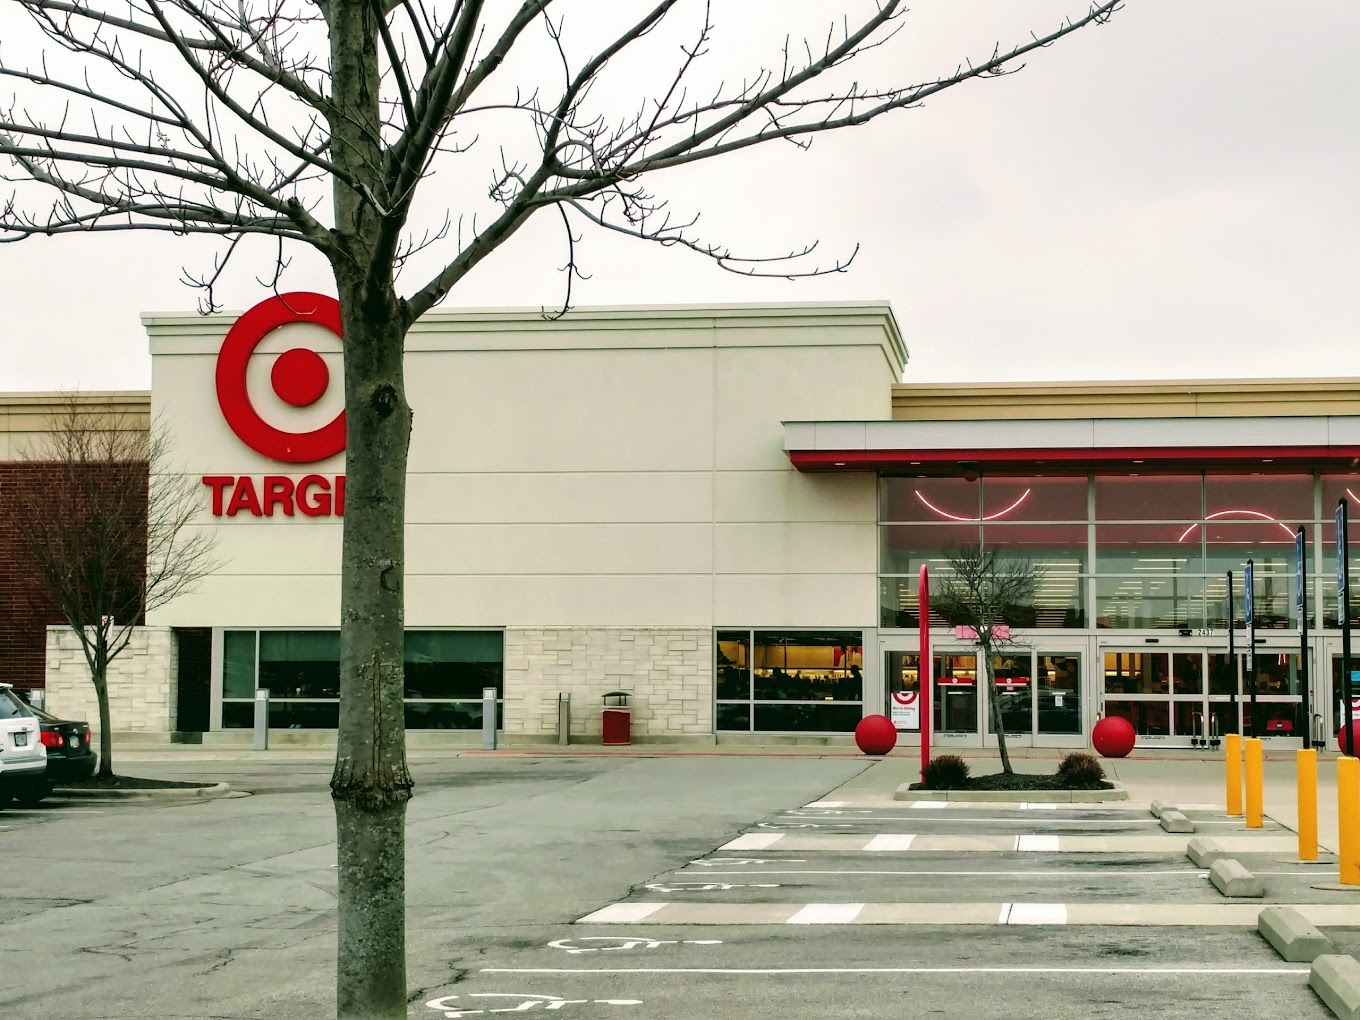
655, 889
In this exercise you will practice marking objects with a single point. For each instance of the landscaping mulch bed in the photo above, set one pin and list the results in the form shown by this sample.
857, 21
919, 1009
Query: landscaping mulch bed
1020, 781
135, 783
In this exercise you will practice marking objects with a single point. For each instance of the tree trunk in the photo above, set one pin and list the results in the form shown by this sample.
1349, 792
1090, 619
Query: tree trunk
372, 784
99, 673
994, 709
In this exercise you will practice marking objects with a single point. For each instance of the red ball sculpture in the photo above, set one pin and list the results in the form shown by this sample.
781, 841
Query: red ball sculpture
1113, 737
876, 734
1355, 736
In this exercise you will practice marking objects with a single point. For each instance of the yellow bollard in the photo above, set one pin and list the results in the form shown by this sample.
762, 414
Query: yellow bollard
1255, 782
1348, 814
1232, 752
1308, 808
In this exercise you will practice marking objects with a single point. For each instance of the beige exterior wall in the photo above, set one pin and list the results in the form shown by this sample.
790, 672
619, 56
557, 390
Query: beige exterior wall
25, 417
620, 468
668, 671
142, 681
1170, 399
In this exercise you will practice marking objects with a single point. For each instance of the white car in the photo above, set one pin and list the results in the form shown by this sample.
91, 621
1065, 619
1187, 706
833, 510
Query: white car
23, 756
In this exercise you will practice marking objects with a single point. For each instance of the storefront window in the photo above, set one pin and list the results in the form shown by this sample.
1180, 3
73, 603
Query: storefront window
806, 681
442, 664
1269, 544
300, 663
238, 664
1149, 548
930, 500
1034, 499
1149, 498
1149, 602
1265, 497
904, 547
445, 674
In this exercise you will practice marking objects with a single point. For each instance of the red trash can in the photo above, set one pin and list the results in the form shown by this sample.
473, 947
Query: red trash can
617, 724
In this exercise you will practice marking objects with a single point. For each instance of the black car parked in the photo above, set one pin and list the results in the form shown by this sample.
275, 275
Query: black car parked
70, 758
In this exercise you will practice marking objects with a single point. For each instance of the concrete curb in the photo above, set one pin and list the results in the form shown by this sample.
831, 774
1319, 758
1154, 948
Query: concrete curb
1293, 937
1160, 807
1336, 979
1175, 821
170, 793
905, 792
1204, 852
1235, 881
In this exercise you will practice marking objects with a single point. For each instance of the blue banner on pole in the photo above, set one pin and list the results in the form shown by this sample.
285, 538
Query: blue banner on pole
1299, 576
1342, 549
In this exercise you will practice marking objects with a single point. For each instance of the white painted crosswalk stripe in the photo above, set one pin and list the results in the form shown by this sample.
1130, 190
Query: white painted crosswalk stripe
622, 913
827, 913
1037, 913
1040, 844
889, 842
1096, 913
754, 841
929, 805
826, 804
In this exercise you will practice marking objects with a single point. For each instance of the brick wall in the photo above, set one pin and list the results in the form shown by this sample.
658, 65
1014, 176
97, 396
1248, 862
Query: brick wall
143, 681
26, 608
668, 670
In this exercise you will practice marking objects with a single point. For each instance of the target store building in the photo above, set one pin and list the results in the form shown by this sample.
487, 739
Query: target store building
722, 510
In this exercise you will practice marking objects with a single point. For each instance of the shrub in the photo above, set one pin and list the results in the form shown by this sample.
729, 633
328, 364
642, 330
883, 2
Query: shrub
945, 772
1080, 770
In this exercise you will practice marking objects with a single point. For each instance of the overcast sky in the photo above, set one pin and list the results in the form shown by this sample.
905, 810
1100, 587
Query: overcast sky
1173, 195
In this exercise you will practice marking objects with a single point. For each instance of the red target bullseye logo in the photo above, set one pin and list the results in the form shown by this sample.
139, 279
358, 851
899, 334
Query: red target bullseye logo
299, 377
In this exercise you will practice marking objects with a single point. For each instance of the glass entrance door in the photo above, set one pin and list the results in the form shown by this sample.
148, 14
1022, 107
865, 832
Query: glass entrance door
1039, 693
1192, 697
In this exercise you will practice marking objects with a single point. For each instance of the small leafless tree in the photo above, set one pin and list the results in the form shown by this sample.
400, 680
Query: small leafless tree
108, 531
317, 122
988, 592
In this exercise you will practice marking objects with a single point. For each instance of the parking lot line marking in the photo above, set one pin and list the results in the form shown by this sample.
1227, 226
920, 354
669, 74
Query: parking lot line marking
1005, 914
890, 842
1061, 874
1038, 807
622, 913
929, 805
1165, 971
1037, 913
827, 913
1085, 823
826, 803
754, 841
1037, 844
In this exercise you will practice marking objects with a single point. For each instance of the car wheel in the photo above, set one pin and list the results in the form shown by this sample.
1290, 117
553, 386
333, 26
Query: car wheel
31, 796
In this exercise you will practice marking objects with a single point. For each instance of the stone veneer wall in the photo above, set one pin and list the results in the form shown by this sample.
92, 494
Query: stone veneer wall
143, 681
669, 672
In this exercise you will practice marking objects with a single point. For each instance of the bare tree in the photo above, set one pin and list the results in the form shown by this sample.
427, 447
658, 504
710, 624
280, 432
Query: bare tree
988, 592
107, 527
317, 121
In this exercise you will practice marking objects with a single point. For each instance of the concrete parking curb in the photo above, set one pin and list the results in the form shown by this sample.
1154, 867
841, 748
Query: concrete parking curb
1204, 852
1175, 821
905, 792
1293, 937
1336, 979
1160, 807
168, 793
1235, 881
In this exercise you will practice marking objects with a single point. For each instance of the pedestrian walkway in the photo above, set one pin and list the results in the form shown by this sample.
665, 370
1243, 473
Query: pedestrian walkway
860, 857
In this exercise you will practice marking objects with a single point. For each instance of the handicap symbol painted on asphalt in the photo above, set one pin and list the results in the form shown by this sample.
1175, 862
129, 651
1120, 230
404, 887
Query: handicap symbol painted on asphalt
706, 886
623, 942
523, 1003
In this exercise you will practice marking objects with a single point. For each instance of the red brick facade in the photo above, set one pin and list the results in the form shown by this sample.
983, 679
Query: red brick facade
26, 608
